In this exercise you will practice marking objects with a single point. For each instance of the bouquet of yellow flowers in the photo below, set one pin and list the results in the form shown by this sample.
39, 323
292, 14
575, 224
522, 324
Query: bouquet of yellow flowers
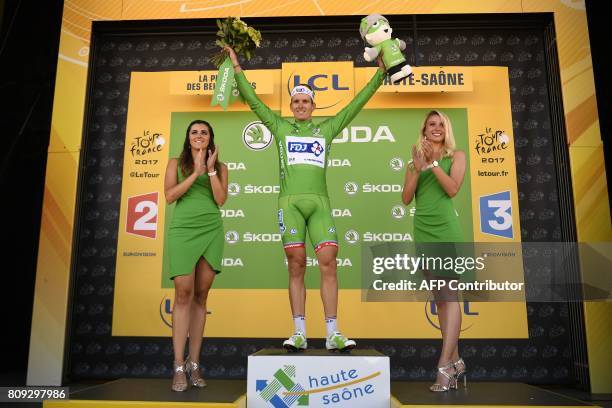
238, 35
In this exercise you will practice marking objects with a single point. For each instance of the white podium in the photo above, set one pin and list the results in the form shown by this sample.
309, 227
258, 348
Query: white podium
318, 378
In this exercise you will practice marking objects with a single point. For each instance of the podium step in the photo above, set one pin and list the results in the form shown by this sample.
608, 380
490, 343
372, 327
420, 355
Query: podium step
154, 392
478, 395
318, 378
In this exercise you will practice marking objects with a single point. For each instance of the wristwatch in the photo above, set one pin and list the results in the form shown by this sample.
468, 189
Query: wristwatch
433, 164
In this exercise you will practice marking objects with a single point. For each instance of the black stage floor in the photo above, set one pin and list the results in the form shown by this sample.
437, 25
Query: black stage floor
231, 393
485, 394
134, 389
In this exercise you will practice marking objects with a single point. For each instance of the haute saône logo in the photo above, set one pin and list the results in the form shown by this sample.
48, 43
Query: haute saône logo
283, 390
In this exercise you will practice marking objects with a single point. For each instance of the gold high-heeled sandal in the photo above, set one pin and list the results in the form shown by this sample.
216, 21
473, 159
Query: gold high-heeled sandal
179, 381
460, 371
452, 380
195, 378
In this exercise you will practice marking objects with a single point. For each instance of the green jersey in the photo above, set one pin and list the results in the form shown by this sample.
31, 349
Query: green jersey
303, 147
392, 55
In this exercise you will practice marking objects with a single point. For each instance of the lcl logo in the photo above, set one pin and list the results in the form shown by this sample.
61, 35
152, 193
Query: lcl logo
320, 82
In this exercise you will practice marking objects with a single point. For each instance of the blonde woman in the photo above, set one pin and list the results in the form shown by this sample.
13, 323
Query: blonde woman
433, 177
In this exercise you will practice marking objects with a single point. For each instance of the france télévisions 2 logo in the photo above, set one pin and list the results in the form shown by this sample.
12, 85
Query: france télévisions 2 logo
142, 215
496, 214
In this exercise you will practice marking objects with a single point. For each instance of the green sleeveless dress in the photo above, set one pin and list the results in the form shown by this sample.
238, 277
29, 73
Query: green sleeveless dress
196, 229
435, 219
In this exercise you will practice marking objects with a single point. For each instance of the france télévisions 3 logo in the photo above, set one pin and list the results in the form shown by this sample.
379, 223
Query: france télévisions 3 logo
496, 214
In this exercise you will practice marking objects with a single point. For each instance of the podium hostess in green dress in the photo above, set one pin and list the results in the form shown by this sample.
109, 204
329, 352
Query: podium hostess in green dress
197, 182
433, 177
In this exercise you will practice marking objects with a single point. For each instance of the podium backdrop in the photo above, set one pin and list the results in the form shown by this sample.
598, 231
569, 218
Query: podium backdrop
105, 341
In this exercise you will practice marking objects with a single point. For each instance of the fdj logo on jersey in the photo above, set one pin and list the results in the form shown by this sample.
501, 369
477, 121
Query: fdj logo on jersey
298, 147
496, 214
306, 150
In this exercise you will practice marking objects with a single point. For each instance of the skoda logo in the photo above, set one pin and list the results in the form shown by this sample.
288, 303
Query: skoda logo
256, 136
351, 188
351, 236
396, 164
231, 237
233, 189
398, 211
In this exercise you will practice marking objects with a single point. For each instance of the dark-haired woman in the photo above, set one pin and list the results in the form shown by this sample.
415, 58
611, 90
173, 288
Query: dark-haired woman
198, 184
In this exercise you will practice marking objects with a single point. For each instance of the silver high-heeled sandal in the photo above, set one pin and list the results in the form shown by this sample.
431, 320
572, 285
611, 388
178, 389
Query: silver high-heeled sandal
460, 371
179, 381
195, 378
450, 376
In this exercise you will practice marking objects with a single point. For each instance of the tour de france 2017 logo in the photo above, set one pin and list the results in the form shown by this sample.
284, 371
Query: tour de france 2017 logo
256, 136
351, 236
337, 389
396, 164
233, 189
351, 188
496, 214
491, 142
147, 144
398, 212
231, 237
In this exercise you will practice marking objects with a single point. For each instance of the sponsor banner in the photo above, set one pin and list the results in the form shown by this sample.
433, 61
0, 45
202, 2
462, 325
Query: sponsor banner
361, 380
332, 83
203, 82
366, 169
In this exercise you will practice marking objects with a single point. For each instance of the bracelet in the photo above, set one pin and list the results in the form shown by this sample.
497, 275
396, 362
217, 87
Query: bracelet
236, 66
212, 173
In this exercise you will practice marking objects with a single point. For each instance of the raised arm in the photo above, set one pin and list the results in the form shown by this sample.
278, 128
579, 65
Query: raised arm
265, 114
346, 115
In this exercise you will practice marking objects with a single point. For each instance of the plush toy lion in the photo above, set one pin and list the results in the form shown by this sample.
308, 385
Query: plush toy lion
375, 30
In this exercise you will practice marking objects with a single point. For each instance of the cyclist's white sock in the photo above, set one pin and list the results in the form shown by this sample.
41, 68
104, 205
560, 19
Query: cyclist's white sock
330, 324
300, 324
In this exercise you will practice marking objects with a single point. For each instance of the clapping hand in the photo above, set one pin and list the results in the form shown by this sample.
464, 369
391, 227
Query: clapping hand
212, 159
417, 159
429, 153
198, 164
